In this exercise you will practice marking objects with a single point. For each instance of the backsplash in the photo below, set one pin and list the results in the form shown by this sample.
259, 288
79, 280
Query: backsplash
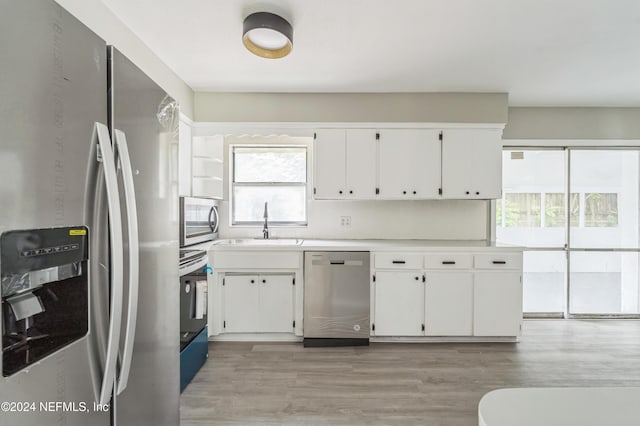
438, 219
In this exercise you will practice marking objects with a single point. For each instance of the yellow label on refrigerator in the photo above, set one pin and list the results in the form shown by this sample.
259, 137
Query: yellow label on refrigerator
75, 232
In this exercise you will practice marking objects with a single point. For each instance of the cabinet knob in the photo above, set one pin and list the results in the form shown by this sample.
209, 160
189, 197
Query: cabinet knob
414, 192
404, 192
467, 192
264, 281
252, 281
477, 192
350, 192
340, 192
417, 278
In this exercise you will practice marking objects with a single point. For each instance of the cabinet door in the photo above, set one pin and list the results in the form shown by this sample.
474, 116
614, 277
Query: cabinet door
207, 166
409, 164
240, 303
399, 308
497, 304
472, 164
329, 153
449, 303
184, 159
276, 304
361, 158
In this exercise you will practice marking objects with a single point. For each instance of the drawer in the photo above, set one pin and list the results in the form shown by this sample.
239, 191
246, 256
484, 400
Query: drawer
498, 261
398, 261
448, 261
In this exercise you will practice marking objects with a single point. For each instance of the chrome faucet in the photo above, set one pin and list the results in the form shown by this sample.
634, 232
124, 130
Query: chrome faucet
265, 228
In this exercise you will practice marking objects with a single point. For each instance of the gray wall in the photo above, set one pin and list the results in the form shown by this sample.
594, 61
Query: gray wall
572, 123
351, 107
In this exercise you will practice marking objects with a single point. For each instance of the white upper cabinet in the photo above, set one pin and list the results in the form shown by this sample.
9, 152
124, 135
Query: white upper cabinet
472, 164
345, 164
207, 166
329, 153
184, 159
361, 155
409, 164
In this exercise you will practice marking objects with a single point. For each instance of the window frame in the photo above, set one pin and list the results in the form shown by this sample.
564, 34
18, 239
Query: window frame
233, 184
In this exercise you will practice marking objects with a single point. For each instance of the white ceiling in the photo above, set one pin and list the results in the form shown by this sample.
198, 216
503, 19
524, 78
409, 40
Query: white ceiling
542, 52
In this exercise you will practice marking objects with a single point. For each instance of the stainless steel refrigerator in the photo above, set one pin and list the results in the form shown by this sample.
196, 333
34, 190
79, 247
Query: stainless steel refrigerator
88, 228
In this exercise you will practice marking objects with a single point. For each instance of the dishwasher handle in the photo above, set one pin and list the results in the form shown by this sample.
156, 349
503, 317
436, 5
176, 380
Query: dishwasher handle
337, 262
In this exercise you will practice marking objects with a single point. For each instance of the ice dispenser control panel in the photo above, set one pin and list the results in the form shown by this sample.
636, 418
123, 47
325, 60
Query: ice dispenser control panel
44, 293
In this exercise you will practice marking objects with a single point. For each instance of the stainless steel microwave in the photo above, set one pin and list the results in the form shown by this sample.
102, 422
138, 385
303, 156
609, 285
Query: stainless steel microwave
199, 220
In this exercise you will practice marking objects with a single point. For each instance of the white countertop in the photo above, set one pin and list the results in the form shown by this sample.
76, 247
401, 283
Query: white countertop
560, 407
367, 245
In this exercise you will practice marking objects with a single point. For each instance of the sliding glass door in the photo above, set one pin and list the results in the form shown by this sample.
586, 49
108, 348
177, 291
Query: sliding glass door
532, 214
577, 213
604, 237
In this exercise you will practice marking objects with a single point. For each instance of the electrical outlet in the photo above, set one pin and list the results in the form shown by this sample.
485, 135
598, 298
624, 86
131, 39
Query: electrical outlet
345, 221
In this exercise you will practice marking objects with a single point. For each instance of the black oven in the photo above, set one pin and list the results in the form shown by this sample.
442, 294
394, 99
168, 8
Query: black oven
199, 220
193, 294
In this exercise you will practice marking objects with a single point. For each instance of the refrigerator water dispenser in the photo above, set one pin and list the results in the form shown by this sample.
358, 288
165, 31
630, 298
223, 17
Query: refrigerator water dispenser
44, 293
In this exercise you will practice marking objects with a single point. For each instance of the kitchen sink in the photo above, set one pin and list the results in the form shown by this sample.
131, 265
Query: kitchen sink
261, 242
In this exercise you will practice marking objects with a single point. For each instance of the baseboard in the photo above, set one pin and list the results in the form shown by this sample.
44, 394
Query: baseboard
439, 339
290, 337
256, 337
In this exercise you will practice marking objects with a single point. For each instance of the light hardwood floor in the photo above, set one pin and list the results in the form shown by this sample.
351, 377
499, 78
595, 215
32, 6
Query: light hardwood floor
403, 384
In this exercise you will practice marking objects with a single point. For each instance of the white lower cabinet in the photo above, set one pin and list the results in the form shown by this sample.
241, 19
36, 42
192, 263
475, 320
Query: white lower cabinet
241, 301
258, 303
497, 303
449, 303
463, 294
399, 303
276, 304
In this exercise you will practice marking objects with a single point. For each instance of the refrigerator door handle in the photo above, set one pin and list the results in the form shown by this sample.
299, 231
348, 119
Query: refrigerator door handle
134, 258
117, 264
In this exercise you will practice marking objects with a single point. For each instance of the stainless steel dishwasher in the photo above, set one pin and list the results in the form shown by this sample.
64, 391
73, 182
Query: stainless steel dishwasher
336, 298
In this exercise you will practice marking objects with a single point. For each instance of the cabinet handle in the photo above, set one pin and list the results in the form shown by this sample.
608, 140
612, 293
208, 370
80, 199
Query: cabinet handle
404, 192
252, 281
417, 278
448, 262
499, 262
398, 262
264, 281
340, 192
477, 192
467, 192
414, 192
350, 192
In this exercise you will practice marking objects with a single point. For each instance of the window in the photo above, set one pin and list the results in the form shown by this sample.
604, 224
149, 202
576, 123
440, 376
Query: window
522, 210
276, 175
600, 210
554, 208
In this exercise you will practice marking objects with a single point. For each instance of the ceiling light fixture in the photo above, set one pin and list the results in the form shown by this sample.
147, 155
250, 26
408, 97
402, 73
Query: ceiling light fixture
267, 35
